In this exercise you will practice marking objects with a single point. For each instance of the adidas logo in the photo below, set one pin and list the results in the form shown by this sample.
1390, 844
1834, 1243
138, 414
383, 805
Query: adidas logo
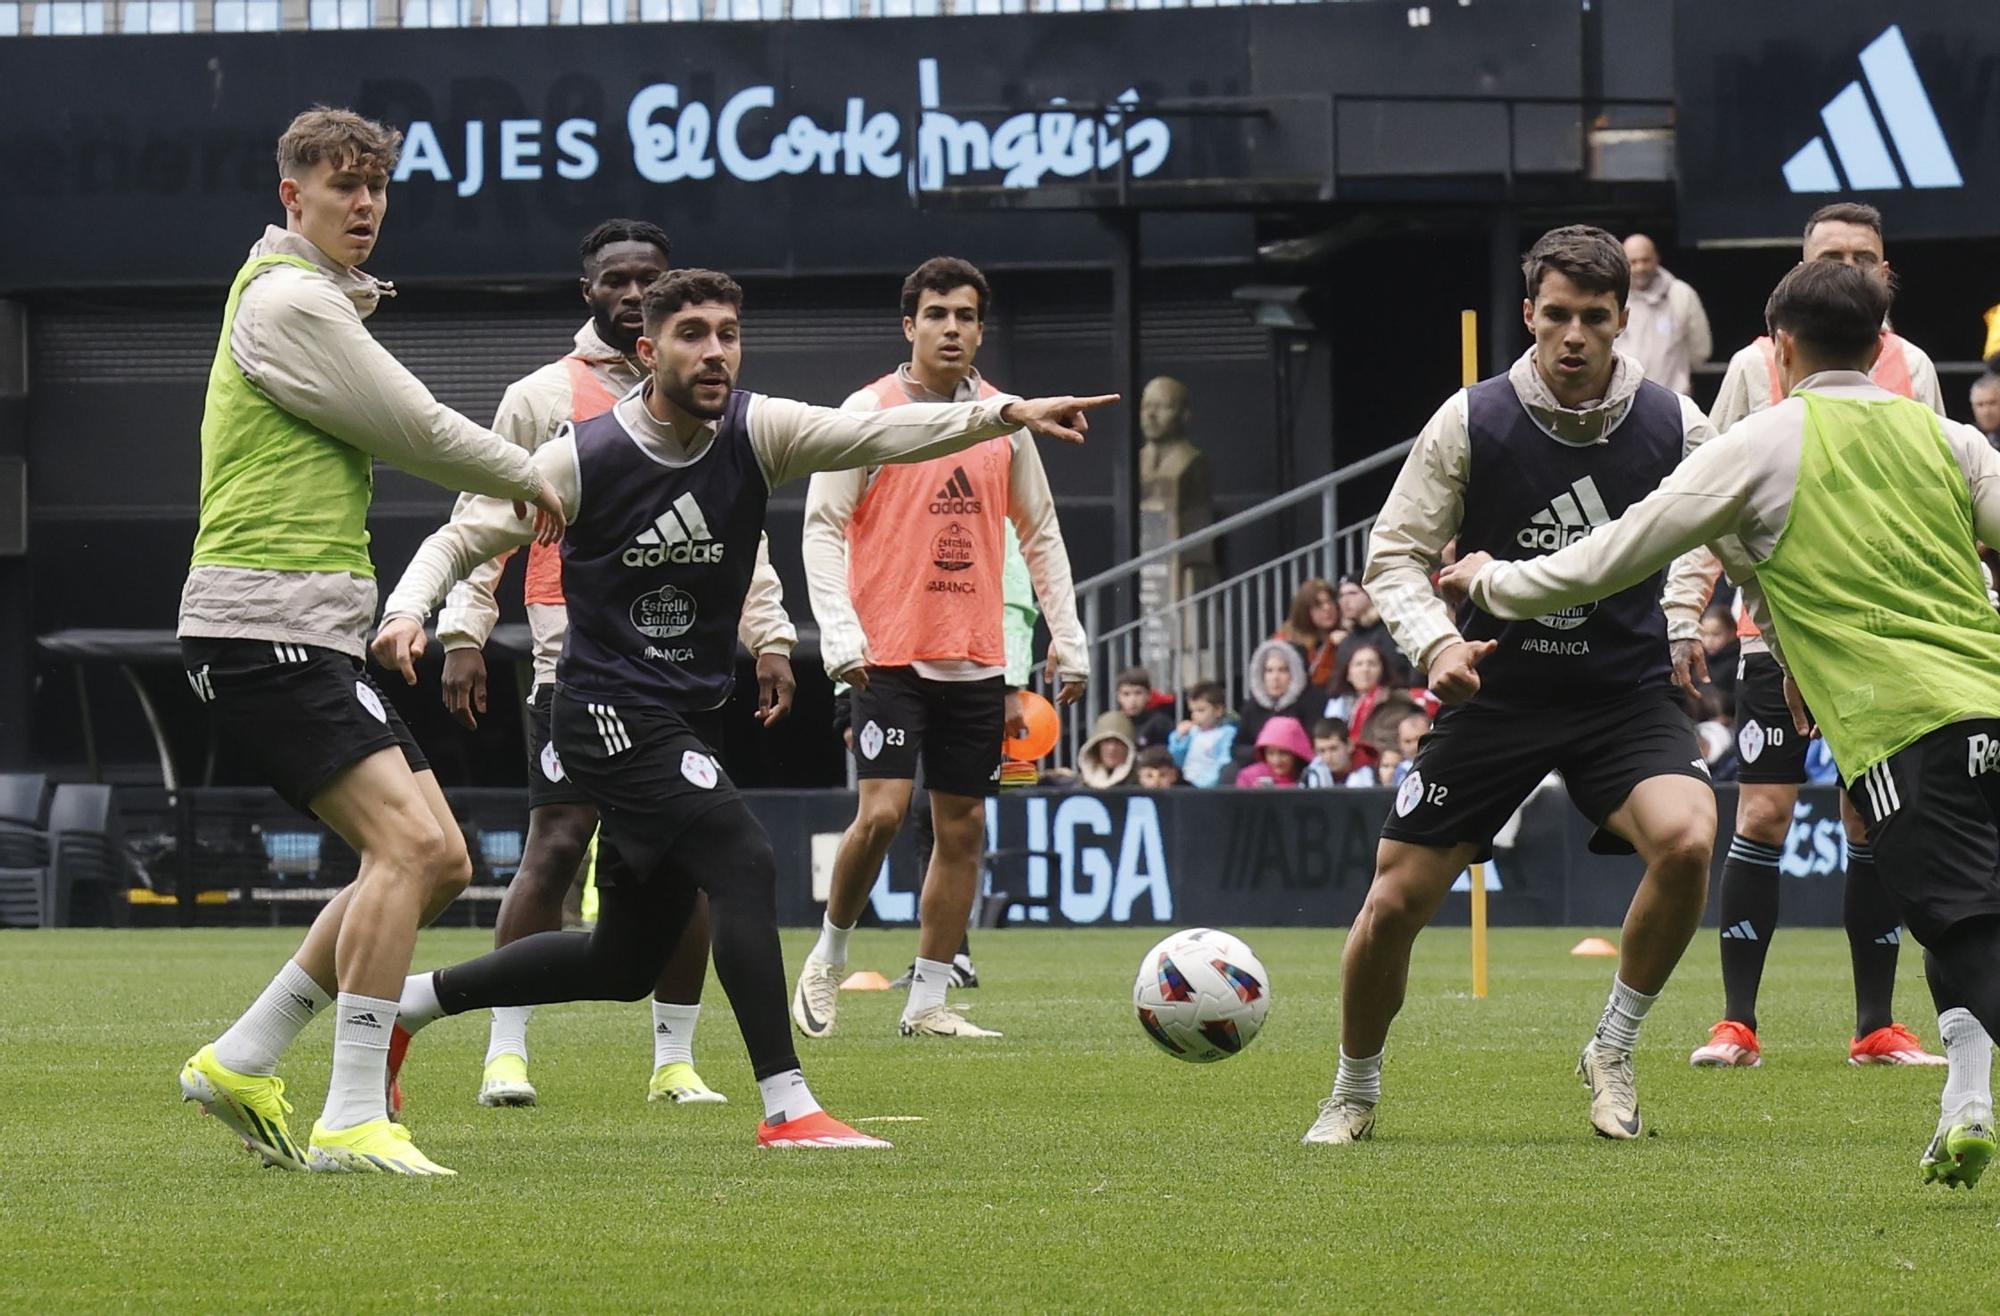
1865, 158
680, 535
1568, 518
956, 498
663, 1030
1740, 932
303, 1002
1893, 937
366, 1019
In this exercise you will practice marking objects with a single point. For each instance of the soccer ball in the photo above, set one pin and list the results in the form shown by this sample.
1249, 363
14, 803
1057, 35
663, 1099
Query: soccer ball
1201, 995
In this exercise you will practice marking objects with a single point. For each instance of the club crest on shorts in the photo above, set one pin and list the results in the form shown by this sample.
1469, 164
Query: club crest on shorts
1750, 741
1409, 794
698, 768
552, 767
870, 740
371, 701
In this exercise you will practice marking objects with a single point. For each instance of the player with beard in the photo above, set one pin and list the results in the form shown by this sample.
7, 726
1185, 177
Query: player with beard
1518, 465
621, 259
666, 495
1773, 757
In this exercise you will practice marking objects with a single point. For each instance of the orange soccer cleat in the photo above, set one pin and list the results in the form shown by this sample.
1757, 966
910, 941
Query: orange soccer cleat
818, 1129
1729, 1044
1894, 1045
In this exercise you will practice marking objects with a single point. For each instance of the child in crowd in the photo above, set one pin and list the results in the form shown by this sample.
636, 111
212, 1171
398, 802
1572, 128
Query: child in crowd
1333, 760
1106, 759
1282, 754
1202, 744
1156, 769
1152, 712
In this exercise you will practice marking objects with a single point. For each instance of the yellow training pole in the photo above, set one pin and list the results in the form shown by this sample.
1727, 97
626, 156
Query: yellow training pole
1468, 369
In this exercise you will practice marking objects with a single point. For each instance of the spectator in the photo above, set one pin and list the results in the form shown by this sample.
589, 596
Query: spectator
1666, 329
1366, 629
1106, 759
1151, 711
1156, 769
1332, 760
1380, 773
1720, 647
1282, 754
1314, 627
1715, 731
1202, 744
1276, 686
1410, 733
1986, 406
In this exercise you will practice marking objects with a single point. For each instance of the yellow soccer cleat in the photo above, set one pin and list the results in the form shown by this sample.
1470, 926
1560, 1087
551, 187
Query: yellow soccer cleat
505, 1082
377, 1147
252, 1106
679, 1083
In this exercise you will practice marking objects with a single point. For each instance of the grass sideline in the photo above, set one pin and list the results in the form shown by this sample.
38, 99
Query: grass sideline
1068, 1166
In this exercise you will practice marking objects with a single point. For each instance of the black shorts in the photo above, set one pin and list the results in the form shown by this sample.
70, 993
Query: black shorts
547, 782
303, 714
650, 771
954, 727
1479, 763
1771, 752
1933, 816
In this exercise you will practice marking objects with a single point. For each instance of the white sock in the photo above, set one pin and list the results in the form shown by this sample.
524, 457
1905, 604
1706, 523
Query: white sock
786, 1097
358, 1091
1359, 1080
281, 1011
509, 1035
927, 987
673, 1033
420, 1006
1969, 1081
1618, 1029
832, 945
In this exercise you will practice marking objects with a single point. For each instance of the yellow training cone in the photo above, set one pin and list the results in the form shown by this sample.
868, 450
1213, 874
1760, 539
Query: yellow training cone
865, 980
1593, 946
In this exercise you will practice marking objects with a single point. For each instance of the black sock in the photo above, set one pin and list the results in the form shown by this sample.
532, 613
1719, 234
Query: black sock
1748, 913
1964, 966
1874, 936
638, 926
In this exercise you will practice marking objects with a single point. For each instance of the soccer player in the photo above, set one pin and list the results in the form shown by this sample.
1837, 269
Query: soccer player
1773, 757
621, 259
1519, 465
273, 625
666, 497
1849, 515
905, 566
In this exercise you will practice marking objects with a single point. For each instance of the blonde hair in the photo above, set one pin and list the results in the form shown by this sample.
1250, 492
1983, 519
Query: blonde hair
342, 136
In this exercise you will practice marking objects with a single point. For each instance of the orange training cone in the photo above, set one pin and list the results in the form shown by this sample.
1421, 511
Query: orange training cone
1593, 946
865, 980
1038, 735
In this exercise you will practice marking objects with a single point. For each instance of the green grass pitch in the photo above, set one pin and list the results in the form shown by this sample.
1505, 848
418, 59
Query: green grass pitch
1069, 1166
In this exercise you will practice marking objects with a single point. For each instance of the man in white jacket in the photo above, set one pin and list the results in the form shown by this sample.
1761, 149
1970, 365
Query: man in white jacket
621, 259
274, 618
1667, 328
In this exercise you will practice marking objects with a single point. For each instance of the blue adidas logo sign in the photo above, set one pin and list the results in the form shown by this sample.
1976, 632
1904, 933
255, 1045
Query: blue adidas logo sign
1865, 156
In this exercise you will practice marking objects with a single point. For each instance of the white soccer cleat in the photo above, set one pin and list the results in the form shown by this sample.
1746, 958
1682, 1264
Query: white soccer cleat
505, 1082
816, 999
1342, 1120
1614, 1096
942, 1021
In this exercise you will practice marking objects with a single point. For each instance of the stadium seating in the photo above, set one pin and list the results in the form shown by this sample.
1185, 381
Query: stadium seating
88, 870
23, 897
24, 798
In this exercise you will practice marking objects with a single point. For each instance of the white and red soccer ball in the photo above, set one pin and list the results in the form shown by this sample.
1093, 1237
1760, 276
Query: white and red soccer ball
1201, 995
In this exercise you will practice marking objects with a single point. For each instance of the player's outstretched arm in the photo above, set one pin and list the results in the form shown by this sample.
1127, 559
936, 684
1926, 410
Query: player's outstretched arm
1031, 506
793, 439
1421, 516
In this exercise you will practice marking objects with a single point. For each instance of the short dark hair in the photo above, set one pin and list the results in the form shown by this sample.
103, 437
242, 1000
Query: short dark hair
1136, 676
1833, 308
1587, 256
1157, 756
1329, 726
1844, 212
677, 288
1209, 692
940, 274
623, 230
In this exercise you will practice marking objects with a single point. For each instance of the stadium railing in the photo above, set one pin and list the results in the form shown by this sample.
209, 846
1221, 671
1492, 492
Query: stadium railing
1210, 634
